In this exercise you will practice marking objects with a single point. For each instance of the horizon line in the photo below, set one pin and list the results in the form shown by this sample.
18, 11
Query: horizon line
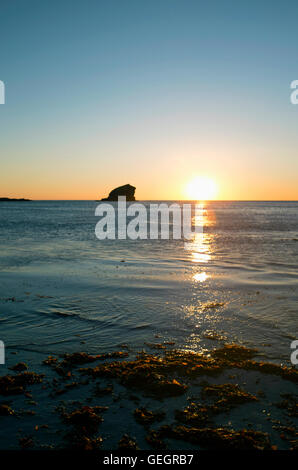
158, 200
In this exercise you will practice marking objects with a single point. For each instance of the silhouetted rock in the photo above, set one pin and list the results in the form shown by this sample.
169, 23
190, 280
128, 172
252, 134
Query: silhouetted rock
125, 190
5, 199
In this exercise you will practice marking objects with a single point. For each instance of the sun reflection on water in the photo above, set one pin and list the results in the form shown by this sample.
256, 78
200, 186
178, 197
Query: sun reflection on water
200, 277
200, 246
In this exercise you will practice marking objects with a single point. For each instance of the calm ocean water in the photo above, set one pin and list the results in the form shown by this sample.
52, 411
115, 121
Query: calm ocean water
63, 290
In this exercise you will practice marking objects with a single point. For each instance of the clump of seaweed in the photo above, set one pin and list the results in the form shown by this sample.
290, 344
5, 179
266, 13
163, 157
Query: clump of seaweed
226, 395
158, 375
194, 415
50, 361
16, 384
287, 373
19, 367
128, 443
289, 403
79, 441
144, 373
79, 358
84, 422
6, 410
85, 419
144, 416
217, 438
233, 353
26, 442
156, 345
154, 439
189, 364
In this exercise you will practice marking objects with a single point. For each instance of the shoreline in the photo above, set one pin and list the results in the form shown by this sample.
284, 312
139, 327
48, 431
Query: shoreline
158, 398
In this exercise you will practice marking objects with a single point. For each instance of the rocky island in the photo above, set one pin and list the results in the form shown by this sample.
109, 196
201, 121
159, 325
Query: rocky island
8, 199
126, 190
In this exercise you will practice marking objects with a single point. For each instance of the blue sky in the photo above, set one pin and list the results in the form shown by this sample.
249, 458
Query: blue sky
102, 93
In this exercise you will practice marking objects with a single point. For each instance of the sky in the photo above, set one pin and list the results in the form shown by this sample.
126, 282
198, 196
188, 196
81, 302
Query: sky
155, 94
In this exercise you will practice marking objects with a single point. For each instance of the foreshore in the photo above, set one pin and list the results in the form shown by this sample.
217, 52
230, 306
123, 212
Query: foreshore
160, 398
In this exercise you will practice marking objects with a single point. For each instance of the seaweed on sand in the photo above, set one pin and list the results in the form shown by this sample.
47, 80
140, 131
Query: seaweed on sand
85, 419
144, 416
289, 403
217, 438
50, 361
287, 373
19, 367
84, 422
226, 395
233, 353
16, 384
87, 443
162, 374
80, 441
79, 358
155, 440
194, 415
152, 373
6, 410
155, 345
26, 442
127, 442
158, 375
144, 373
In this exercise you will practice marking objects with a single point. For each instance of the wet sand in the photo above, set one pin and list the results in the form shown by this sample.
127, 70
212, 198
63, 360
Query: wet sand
159, 397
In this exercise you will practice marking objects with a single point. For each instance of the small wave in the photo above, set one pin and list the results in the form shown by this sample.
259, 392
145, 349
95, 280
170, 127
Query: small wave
141, 326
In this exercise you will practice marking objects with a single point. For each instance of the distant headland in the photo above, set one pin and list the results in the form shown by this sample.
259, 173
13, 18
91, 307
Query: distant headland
5, 199
126, 190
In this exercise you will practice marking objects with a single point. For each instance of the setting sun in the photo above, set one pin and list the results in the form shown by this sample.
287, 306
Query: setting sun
201, 189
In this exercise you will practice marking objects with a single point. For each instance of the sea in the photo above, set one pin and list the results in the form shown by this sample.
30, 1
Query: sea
63, 290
